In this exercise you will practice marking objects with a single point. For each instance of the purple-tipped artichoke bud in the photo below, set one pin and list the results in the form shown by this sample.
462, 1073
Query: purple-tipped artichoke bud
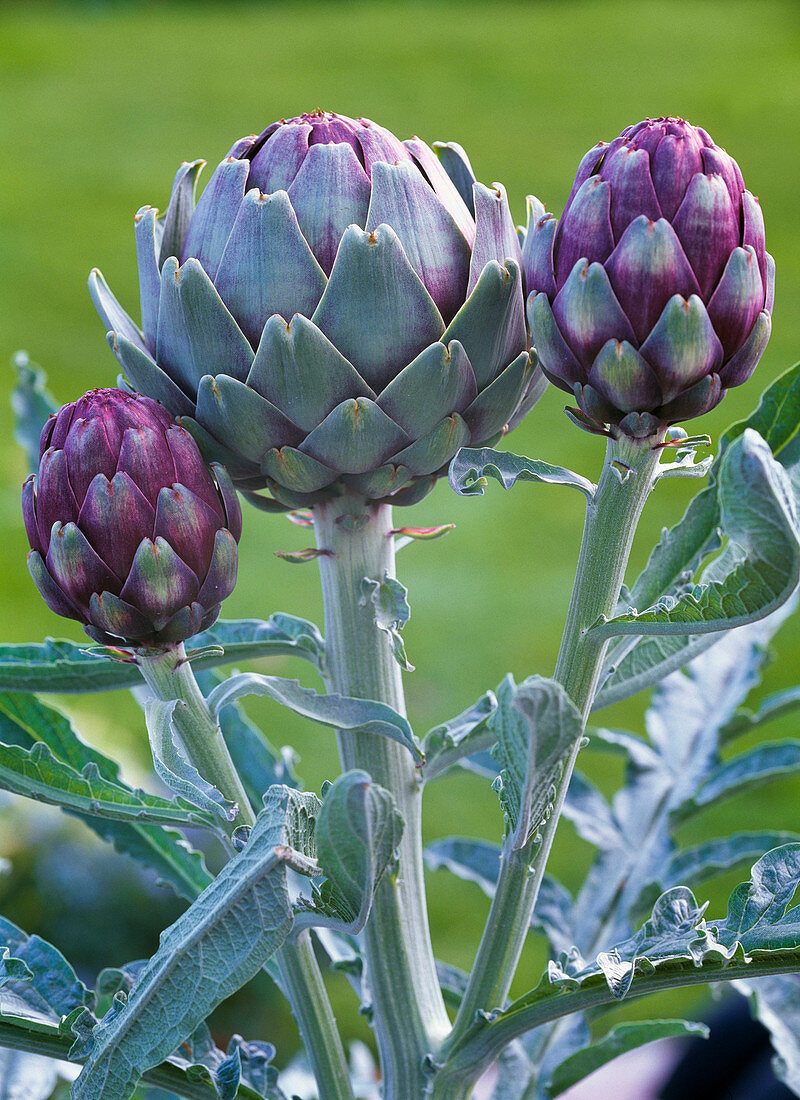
653, 294
340, 310
130, 531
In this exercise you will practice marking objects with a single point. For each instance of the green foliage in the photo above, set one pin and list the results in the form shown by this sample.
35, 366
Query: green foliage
357, 832
619, 1040
536, 725
472, 467
390, 600
208, 953
62, 666
42, 753
338, 711
761, 564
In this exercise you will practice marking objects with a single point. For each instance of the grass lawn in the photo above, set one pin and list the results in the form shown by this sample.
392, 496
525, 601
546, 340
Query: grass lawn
102, 102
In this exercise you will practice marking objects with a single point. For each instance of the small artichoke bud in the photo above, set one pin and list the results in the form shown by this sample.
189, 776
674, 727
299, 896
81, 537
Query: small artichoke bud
130, 533
653, 294
341, 310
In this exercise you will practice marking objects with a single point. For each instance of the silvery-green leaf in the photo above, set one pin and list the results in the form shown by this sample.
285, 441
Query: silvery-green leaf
172, 766
471, 468
11, 969
257, 762
339, 711
619, 1040
713, 857
772, 707
61, 666
31, 404
536, 725
775, 1002
210, 951
26, 720
469, 859
759, 516
50, 988
555, 726
741, 773
26, 1076
357, 832
36, 773
462, 736
390, 601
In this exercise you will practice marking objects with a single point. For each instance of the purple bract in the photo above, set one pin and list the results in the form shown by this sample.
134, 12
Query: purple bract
653, 294
130, 533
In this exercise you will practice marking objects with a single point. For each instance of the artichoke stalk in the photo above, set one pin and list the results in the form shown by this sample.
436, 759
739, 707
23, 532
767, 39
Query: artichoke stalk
336, 313
653, 294
130, 532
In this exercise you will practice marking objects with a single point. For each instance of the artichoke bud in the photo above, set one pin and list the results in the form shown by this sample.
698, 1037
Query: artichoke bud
653, 293
340, 310
131, 533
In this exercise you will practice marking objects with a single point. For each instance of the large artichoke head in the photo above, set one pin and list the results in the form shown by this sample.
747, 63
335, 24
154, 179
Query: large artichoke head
653, 294
130, 532
340, 310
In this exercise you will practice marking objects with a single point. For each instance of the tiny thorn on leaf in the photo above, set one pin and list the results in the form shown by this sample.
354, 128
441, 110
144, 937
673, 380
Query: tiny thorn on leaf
113, 653
302, 517
352, 522
621, 469
298, 557
424, 532
581, 420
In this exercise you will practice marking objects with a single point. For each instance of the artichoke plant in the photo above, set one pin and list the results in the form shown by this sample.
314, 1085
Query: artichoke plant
340, 310
130, 533
653, 294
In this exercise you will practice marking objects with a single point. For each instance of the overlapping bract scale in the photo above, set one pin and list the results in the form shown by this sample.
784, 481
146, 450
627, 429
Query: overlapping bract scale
653, 294
130, 532
340, 309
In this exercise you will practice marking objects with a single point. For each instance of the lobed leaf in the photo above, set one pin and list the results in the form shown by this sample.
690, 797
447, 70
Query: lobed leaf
26, 721
758, 514
471, 468
619, 1040
217, 945
61, 666
338, 711
357, 833
36, 773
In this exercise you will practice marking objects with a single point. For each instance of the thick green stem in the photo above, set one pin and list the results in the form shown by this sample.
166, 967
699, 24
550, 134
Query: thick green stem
409, 1014
306, 993
169, 675
611, 519
488, 1040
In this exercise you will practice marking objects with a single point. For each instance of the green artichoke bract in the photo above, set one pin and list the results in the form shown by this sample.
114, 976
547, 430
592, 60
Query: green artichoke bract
340, 310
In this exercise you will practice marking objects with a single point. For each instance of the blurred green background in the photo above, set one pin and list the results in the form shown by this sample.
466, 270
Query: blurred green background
100, 104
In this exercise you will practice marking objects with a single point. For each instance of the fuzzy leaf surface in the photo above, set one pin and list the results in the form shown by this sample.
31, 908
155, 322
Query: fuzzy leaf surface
338, 711
357, 833
216, 946
60, 666
471, 468
26, 721
619, 1040
759, 516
